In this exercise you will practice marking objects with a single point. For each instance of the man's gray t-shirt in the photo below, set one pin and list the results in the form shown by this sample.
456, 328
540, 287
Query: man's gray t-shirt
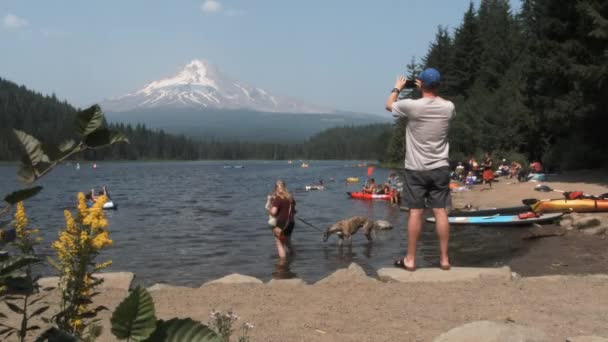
426, 133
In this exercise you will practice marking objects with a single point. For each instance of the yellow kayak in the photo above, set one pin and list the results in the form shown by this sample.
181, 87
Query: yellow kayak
565, 205
352, 180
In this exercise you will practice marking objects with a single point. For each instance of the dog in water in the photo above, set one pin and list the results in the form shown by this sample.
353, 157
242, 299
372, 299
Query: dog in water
345, 229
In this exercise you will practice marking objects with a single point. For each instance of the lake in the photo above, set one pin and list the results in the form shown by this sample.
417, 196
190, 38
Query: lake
186, 223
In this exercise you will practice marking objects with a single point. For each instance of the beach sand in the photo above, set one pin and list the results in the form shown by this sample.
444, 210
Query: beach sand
358, 308
573, 253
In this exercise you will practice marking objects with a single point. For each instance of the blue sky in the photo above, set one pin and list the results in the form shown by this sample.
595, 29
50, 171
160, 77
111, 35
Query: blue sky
338, 53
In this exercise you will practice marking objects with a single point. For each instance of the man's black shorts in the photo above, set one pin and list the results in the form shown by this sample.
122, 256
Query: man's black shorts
430, 188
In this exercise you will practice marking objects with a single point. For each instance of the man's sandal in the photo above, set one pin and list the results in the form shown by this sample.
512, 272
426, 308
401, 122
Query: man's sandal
401, 264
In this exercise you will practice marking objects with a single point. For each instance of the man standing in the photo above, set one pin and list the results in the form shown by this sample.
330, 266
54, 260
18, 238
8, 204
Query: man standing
427, 171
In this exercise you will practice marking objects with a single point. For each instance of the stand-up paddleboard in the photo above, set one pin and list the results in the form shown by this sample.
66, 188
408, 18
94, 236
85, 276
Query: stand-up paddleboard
492, 211
498, 220
365, 196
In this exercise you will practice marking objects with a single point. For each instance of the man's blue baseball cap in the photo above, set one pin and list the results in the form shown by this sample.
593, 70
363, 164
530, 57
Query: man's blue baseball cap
430, 77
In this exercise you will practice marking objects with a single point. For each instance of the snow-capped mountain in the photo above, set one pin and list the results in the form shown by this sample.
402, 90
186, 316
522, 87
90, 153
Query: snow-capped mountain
200, 85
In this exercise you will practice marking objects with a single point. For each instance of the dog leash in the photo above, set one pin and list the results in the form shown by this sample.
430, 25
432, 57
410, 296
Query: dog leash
310, 224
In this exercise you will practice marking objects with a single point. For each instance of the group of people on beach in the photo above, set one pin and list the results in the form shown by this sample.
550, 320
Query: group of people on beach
486, 173
427, 170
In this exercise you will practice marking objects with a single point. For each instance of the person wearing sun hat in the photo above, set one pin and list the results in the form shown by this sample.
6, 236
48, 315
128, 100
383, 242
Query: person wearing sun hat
427, 171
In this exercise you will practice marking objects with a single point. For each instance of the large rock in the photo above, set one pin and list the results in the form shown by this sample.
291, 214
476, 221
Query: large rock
111, 280
162, 286
235, 278
286, 282
439, 275
587, 339
354, 272
489, 331
587, 222
543, 231
601, 230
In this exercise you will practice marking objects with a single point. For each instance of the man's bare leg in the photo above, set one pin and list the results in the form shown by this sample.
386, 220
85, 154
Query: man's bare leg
443, 232
414, 226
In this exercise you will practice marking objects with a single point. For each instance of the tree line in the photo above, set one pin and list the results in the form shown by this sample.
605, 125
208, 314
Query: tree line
530, 85
53, 120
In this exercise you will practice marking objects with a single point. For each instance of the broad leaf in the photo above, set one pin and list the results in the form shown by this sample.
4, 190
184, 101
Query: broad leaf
103, 137
22, 195
177, 329
89, 120
67, 145
39, 311
12, 264
134, 318
14, 308
32, 148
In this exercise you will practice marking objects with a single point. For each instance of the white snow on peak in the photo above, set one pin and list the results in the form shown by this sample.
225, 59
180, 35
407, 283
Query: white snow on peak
193, 74
199, 84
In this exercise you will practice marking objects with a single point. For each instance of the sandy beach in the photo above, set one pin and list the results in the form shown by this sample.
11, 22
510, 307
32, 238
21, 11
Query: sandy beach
557, 287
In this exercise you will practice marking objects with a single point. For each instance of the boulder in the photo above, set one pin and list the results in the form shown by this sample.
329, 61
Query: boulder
586, 222
601, 230
566, 223
162, 286
111, 280
587, 339
354, 272
439, 275
539, 232
235, 278
489, 331
286, 282
383, 225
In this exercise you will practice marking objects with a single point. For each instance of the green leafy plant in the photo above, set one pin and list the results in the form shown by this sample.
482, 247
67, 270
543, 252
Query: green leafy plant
17, 283
135, 320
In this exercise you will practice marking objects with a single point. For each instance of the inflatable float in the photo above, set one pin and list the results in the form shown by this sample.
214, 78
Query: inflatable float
365, 196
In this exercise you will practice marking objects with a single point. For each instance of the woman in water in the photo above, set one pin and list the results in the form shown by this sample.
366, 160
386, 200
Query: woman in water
283, 207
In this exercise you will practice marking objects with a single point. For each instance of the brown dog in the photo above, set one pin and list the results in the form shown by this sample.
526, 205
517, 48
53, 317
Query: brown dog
345, 229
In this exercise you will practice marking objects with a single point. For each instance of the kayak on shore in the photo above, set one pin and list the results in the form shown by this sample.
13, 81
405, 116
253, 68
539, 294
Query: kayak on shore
499, 220
566, 206
365, 196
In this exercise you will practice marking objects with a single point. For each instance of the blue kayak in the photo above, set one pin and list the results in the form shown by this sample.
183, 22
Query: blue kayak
499, 220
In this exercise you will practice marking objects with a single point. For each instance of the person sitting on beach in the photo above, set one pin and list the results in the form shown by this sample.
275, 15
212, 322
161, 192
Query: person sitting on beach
459, 171
370, 188
283, 208
503, 168
536, 167
471, 178
514, 169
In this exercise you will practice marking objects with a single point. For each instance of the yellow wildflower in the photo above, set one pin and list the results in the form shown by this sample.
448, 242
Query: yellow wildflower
102, 240
82, 205
20, 220
70, 224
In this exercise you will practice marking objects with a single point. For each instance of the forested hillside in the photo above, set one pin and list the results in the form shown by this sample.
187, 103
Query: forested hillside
532, 83
52, 121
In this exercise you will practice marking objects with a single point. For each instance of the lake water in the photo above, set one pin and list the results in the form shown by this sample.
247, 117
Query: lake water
189, 222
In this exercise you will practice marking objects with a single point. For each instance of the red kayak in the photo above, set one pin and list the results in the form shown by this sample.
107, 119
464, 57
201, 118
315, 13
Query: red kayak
362, 195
